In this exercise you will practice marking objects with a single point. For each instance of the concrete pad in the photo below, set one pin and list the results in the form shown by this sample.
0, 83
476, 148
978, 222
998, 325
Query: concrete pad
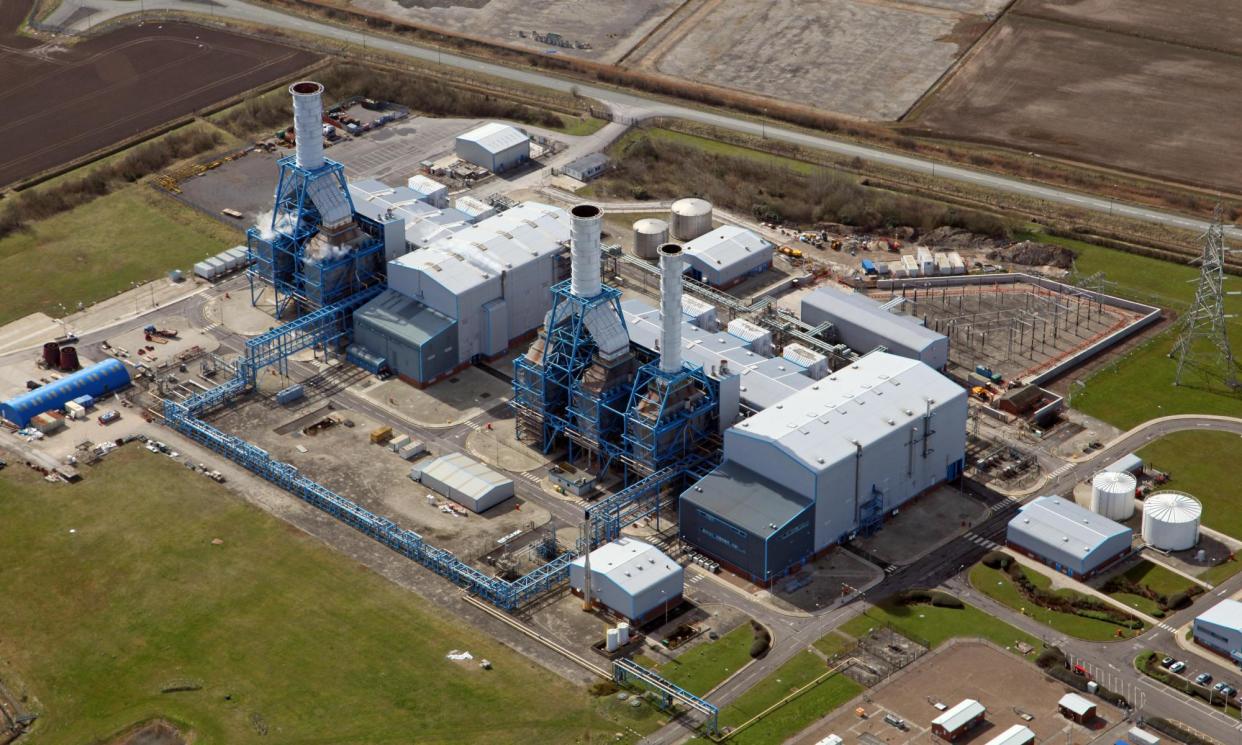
448, 403
818, 587
133, 341
27, 331
922, 525
499, 448
234, 311
14, 375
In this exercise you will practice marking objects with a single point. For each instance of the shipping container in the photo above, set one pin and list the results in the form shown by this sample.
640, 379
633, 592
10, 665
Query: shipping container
292, 393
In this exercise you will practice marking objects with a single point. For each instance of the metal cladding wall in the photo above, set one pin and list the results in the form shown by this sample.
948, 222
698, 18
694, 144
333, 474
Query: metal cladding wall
863, 326
96, 380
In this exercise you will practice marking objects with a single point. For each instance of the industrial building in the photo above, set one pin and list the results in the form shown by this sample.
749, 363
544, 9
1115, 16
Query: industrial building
494, 146
727, 255
466, 481
467, 296
1076, 708
1219, 629
97, 380
1015, 735
1071, 539
826, 462
864, 324
587, 167
957, 721
408, 221
633, 579
429, 190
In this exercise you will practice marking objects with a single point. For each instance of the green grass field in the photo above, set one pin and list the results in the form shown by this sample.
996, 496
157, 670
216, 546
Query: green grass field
280, 631
99, 249
705, 666
938, 625
1199, 463
996, 584
794, 716
579, 125
1157, 578
833, 643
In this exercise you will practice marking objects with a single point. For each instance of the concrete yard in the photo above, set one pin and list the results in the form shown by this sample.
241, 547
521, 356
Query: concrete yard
464, 396
1010, 686
1144, 72
610, 28
856, 57
922, 524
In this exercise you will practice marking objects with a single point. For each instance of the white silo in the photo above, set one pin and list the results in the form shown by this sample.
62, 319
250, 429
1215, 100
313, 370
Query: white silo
1112, 495
649, 234
1171, 520
691, 217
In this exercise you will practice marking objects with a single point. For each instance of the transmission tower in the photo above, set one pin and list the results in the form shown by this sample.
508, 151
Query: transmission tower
1203, 325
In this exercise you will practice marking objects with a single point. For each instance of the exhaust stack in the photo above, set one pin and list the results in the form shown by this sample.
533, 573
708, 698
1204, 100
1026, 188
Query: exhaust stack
584, 253
308, 123
670, 307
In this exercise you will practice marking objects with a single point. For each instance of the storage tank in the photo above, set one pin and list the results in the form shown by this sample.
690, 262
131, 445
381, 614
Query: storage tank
690, 218
69, 359
1112, 495
51, 354
649, 233
1171, 520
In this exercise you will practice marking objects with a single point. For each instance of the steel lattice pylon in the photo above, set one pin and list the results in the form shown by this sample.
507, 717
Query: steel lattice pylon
1205, 320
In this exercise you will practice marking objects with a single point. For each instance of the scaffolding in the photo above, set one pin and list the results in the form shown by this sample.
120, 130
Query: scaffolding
315, 250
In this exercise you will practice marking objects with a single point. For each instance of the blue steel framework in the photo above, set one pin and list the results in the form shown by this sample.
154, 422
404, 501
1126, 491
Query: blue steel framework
627, 672
669, 415
278, 253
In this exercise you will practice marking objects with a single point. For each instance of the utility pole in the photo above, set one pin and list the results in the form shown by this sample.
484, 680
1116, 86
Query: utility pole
586, 566
1204, 322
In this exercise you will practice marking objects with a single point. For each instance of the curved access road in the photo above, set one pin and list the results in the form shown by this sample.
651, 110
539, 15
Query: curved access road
629, 106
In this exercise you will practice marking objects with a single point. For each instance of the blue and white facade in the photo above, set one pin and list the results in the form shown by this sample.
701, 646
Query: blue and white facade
1071, 539
1219, 629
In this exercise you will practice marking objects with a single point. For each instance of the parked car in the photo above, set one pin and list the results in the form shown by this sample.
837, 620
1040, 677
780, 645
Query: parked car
1203, 678
1177, 667
1167, 661
1225, 689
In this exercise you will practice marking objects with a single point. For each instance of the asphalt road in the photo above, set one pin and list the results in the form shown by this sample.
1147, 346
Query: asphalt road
635, 107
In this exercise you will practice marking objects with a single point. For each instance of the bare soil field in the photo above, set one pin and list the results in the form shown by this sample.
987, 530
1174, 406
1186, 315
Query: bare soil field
1115, 99
64, 102
610, 28
1208, 24
866, 58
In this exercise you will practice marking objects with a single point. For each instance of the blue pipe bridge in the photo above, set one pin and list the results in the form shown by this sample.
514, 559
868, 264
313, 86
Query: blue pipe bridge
628, 672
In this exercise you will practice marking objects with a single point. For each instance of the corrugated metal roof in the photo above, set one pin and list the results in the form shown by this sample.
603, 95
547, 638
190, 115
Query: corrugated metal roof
749, 500
1227, 613
727, 245
424, 185
586, 163
860, 404
464, 474
1076, 704
1015, 735
404, 318
1062, 523
495, 137
96, 380
632, 564
863, 311
960, 715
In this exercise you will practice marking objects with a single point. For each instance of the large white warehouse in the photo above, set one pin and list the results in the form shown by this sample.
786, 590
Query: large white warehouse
1071, 539
727, 255
862, 324
634, 579
487, 285
466, 481
494, 146
825, 462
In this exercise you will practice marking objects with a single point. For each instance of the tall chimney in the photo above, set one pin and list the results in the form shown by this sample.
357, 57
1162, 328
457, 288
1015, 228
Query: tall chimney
308, 123
670, 307
584, 274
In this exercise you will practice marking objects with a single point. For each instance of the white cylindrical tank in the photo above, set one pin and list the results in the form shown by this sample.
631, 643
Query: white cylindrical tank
1112, 495
690, 218
584, 252
307, 122
649, 234
670, 308
1171, 520
623, 633
613, 640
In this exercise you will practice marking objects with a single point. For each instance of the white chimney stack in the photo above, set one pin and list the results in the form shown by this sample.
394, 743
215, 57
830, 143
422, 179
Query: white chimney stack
584, 268
670, 307
308, 123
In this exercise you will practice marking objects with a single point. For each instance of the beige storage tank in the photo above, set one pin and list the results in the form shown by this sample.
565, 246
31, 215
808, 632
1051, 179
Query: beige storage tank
1112, 495
690, 218
1171, 520
649, 233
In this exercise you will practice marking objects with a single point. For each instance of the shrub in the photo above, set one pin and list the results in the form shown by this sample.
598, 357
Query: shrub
1176, 730
759, 647
604, 688
945, 600
1051, 657
1179, 600
997, 560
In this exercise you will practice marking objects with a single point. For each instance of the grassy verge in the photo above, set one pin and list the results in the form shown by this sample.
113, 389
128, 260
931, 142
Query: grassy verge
833, 643
997, 585
795, 715
97, 250
580, 126
1151, 578
706, 665
282, 634
1148, 663
1201, 463
938, 625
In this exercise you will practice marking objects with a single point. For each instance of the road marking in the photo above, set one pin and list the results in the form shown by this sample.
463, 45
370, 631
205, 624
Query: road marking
979, 540
1063, 469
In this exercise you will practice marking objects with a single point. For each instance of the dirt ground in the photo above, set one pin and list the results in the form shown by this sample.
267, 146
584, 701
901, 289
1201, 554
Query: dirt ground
610, 28
63, 102
949, 675
1033, 82
856, 57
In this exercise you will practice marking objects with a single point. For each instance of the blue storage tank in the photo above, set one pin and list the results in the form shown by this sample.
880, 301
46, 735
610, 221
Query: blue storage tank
96, 380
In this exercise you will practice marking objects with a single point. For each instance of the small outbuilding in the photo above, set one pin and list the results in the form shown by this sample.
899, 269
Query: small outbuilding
954, 723
633, 579
727, 255
1015, 735
466, 481
1219, 629
429, 190
587, 167
494, 146
1071, 539
1077, 708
